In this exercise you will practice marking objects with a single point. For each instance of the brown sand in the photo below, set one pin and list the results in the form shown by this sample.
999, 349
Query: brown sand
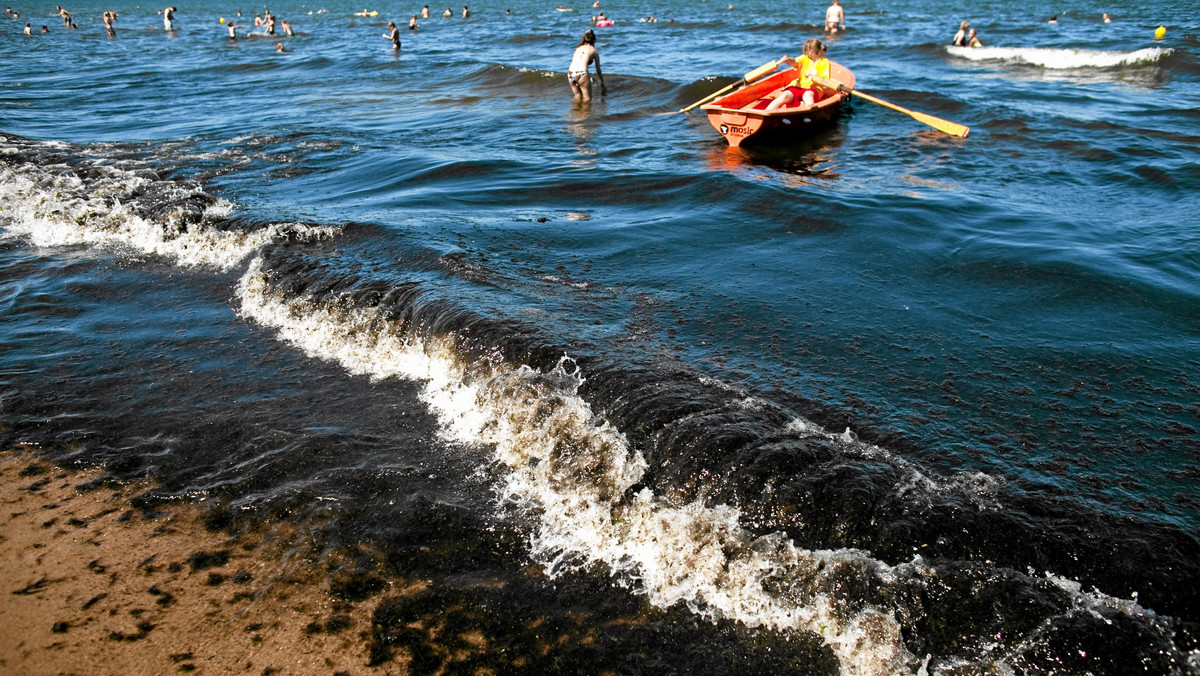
93, 586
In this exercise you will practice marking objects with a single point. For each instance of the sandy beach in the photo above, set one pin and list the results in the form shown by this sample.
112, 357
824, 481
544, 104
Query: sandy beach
100, 584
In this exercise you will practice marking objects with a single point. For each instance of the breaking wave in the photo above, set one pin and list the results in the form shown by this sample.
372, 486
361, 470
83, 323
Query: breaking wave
53, 195
1062, 59
670, 481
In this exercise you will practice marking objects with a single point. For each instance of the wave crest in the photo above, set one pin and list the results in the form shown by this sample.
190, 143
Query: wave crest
1062, 59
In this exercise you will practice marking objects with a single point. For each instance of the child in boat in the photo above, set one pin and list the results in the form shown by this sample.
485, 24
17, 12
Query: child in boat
812, 64
577, 72
973, 39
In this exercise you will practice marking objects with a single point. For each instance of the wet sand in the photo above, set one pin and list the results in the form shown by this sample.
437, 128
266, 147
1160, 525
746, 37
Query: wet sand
96, 583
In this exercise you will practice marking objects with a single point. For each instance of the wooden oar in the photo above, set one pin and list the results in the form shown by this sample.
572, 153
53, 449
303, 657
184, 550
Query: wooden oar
952, 128
753, 75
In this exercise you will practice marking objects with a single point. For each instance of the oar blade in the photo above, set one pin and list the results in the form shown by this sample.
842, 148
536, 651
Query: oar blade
952, 128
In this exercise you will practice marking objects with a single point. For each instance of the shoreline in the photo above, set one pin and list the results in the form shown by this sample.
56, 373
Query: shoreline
97, 585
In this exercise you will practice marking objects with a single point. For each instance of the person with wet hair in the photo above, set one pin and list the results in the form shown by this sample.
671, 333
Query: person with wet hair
393, 34
960, 38
577, 72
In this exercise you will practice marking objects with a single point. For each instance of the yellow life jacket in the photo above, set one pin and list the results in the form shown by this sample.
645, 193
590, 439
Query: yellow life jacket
807, 68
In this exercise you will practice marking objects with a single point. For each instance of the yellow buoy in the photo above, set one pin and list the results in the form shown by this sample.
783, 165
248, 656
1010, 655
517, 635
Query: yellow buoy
1160, 32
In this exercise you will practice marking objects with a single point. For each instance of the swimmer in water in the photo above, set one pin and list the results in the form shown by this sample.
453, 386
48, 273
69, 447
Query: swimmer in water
393, 34
960, 38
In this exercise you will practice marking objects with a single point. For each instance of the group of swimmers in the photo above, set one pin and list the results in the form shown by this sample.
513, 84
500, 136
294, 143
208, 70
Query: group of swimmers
393, 33
268, 22
967, 37
67, 17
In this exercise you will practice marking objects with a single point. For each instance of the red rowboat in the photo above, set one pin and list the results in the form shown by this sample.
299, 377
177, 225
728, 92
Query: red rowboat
739, 115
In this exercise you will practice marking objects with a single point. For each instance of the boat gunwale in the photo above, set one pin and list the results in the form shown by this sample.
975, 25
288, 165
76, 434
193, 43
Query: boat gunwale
833, 99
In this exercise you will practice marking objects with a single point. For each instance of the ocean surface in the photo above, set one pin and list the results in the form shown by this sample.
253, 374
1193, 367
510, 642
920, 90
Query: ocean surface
875, 401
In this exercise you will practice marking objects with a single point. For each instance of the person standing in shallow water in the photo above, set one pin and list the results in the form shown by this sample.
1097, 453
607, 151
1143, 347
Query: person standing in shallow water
577, 73
834, 16
393, 34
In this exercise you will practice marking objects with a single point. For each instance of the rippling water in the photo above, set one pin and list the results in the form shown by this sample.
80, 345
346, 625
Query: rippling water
875, 401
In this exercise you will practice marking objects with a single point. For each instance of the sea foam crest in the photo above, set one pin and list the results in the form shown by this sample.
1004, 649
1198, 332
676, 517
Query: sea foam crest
979, 488
1061, 59
54, 206
573, 471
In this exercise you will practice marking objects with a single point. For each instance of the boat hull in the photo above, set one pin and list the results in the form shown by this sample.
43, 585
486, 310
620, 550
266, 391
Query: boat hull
740, 116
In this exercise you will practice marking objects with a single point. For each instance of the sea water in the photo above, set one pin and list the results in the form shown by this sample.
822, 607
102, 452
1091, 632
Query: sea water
874, 401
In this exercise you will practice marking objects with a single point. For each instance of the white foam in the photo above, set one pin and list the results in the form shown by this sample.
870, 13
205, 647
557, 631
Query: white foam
576, 475
572, 471
57, 208
1061, 59
979, 488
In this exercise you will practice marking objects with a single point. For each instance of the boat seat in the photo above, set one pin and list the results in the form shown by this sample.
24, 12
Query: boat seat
765, 101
